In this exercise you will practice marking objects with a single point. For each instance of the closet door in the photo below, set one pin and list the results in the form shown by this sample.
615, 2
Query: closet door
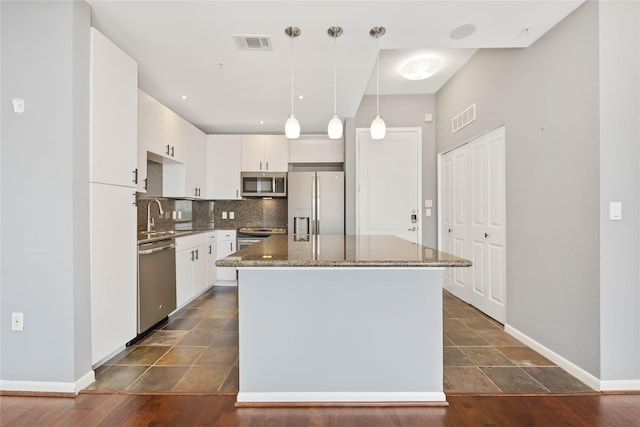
472, 223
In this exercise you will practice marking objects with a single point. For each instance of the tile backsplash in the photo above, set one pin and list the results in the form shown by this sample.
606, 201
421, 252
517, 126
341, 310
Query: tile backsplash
206, 214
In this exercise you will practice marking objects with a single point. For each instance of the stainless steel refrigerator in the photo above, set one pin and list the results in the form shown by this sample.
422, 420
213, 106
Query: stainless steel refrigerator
316, 202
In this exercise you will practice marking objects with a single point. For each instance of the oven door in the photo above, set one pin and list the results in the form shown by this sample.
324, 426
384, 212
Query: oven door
246, 241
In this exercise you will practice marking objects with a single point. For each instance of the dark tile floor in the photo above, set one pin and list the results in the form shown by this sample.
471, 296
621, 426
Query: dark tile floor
197, 352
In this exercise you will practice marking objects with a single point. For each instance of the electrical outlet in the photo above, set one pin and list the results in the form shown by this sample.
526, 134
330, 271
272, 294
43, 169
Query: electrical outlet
231, 215
224, 215
17, 321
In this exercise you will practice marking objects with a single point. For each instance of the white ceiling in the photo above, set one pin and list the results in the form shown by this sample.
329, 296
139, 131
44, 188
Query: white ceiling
179, 44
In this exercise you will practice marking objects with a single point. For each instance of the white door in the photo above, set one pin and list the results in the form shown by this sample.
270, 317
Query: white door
453, 230
487, 224
472, 221
389, 183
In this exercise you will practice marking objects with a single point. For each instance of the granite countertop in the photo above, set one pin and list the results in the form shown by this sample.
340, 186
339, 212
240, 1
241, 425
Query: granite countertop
153, 236
339, 251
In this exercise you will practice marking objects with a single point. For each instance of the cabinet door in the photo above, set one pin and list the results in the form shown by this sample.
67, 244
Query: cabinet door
113, 269
316, 149
223, 153
211, 259
114, 113
200, 272
276, 153
184, 275
195, 162
253, 153
226, 245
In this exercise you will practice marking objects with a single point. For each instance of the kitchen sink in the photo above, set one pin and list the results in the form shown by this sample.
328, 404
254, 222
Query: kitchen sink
150, 234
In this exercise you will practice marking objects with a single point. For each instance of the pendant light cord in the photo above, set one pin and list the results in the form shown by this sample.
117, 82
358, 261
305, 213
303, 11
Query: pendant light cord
292, 54
377, 76
335, 74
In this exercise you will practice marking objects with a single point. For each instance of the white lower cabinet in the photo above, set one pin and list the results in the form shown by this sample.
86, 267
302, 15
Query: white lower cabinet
191, 267
226, 244
212, 251
113, 269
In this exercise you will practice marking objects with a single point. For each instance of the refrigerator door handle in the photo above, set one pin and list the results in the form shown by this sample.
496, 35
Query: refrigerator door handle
318, 206
313, 206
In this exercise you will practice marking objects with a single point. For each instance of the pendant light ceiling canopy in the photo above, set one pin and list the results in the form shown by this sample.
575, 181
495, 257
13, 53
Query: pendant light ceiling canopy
292, 125
378, 128
334, 129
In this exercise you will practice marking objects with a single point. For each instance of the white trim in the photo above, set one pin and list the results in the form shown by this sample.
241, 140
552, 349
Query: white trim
584, 376
620, 385
49, 386
281, 397
227, 283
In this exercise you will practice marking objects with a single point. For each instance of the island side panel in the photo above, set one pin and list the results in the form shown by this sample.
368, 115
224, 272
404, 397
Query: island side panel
340, 334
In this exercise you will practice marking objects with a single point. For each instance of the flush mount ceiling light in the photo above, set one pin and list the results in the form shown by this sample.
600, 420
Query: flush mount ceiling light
292, 126
421, 68
462, 32
334, 129
378, 128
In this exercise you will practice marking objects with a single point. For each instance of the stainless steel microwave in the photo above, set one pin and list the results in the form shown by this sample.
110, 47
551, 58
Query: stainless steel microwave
264, 184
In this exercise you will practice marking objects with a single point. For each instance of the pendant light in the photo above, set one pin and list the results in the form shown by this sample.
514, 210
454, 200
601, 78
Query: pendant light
292, 126
378, 129
334, 129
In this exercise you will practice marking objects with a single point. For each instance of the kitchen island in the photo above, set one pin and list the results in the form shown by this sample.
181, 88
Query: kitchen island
340, 320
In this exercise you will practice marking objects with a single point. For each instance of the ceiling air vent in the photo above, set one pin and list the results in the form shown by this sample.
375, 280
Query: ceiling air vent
249, 42
467, 116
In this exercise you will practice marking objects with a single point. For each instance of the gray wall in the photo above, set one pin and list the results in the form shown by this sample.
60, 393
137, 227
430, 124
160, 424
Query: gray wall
403, 111
547, 96
45, 191
620, 181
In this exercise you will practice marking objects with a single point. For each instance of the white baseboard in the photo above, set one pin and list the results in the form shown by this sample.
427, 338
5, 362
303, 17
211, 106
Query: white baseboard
225, 283
620, 385
584, 376
49, 386
341, 397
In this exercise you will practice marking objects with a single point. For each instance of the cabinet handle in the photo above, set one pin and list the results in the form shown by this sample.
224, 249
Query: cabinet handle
195, 191
168, 152
145, 183
197, 254
135, 200
261, 165
231, 246
449, 230
267, 165
236, 194
135, 176
209, 249
193, 255
172, 151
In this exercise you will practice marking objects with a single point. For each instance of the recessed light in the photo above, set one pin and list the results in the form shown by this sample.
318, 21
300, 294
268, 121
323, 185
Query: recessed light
261, 122
184, 97
421, 68
463, 31
300, 96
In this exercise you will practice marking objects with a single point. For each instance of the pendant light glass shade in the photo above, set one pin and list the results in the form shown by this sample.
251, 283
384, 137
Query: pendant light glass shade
378, 128
334, 128
292, 125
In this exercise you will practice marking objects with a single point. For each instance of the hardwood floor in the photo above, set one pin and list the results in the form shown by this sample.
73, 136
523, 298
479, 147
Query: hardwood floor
589, 410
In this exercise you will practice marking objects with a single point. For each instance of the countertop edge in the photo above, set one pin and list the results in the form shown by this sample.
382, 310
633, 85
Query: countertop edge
226, 262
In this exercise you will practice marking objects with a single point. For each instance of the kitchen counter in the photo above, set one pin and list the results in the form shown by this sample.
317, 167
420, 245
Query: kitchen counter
153, 236
340, 320
340, 251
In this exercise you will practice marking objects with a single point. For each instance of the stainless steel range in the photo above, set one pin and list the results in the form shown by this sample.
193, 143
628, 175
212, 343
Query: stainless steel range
247, 236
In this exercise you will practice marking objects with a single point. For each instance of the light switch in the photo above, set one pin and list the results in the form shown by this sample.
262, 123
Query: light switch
231, 215
224, 215
18, 105
428, 203
427, 212
615, 211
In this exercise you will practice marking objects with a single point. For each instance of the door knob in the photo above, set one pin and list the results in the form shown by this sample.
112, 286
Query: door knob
449, 230
486, 235
412, 229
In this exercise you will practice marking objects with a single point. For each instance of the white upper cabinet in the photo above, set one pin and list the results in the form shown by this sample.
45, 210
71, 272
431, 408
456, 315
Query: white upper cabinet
223, 161
159, 129
265, 153
114, 113
316, 149
195, 151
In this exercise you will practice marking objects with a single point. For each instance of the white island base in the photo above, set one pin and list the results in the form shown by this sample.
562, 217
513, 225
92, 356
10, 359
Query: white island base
340, 335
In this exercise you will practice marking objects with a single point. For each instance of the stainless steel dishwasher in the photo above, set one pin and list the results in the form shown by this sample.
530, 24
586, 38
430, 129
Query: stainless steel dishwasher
156, 282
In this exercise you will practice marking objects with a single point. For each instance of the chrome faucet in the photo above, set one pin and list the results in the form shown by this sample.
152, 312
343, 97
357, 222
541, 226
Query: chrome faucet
150, 223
